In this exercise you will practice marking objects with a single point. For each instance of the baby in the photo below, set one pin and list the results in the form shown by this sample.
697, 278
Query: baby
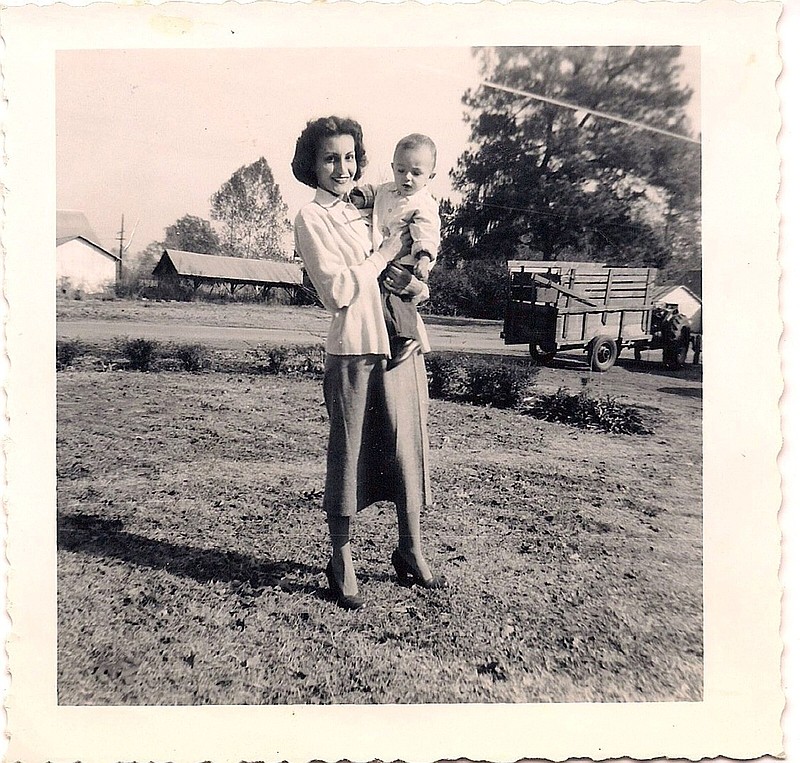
405, 205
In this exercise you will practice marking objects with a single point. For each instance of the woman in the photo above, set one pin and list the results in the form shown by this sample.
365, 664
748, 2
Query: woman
378, 442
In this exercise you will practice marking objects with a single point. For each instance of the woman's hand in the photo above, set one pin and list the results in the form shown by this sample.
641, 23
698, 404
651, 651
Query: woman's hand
399, 281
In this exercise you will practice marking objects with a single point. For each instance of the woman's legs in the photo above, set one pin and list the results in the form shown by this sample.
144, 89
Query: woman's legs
409, 539
407, 405
341, 557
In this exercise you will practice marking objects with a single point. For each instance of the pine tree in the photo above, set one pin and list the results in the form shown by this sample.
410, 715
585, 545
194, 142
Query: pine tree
541, 181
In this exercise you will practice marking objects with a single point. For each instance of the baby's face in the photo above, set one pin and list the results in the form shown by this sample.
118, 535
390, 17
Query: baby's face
413, 168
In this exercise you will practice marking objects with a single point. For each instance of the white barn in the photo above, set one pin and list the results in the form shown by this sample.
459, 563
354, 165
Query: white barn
82, 265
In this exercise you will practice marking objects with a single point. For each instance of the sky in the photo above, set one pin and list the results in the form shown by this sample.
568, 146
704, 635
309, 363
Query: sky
152, 134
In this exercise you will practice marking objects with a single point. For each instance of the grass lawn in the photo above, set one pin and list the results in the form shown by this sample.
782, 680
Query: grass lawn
192, 548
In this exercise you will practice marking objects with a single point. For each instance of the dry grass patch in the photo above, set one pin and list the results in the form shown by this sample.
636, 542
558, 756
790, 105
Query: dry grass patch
192, 545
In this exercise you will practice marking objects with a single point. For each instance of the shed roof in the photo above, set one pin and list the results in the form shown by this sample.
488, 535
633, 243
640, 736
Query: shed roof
241, 269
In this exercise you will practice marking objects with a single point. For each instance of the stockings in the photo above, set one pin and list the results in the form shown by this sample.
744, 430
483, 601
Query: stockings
409, 542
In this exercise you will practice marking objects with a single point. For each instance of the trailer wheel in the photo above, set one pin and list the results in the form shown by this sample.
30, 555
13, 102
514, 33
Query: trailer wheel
603, 352
541, 355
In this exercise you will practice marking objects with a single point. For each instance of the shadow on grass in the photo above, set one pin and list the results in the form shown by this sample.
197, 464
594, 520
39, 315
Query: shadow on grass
688, 372
578, 362
683, 391
106, 537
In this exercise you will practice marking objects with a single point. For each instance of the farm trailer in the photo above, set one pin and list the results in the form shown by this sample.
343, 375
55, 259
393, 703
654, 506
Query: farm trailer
559, 305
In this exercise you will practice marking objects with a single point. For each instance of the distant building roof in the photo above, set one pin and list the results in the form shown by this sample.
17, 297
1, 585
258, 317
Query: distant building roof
664, 290
72, 224
239, 269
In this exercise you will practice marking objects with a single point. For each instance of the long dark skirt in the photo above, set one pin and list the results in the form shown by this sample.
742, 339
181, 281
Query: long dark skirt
378, 443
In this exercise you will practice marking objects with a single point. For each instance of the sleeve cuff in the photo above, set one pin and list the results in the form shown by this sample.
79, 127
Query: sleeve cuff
420, 247
423, 296
377, 262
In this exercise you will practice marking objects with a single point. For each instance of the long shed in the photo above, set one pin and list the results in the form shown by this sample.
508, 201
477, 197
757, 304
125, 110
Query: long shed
195, 270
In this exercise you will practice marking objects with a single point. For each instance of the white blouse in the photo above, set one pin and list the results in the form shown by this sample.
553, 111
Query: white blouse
334, 244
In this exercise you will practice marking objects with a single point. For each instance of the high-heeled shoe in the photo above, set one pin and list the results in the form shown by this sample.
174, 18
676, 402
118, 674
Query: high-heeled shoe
405, 571
345, 602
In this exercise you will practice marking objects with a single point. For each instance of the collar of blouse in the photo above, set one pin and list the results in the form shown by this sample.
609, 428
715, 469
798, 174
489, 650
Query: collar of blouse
343, 213
327, 199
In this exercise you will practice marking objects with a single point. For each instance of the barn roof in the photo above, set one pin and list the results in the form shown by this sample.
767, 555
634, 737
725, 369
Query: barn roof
72, 224
238, 269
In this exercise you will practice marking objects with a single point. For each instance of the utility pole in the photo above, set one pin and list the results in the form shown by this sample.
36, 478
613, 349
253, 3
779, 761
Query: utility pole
121, 239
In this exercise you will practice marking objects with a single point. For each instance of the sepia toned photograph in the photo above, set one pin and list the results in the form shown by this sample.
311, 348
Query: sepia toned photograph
533, 532
378, 387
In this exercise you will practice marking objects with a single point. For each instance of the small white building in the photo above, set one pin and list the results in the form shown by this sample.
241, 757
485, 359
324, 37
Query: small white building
687, 302
82, 265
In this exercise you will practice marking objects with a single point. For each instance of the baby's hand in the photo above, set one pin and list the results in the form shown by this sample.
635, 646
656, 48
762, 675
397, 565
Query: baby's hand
423, 268
358, 199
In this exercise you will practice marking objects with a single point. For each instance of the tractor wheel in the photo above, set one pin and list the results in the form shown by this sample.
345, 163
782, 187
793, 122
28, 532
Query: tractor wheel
676, 341
603, 352
541, 355
676, 329
674, 355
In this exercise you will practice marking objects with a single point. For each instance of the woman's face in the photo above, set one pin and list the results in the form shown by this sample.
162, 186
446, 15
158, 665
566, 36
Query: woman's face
336, 164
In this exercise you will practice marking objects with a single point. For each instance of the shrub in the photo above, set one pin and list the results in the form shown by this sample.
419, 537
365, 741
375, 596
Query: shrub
478, 380
67, 351
301, 360
587, 412
451, 293
139, 353
501, 385
168, 364
448, 378
475, 290
192, 357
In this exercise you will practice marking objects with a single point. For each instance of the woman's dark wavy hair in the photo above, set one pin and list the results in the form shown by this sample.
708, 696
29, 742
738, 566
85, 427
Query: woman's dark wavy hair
305, 152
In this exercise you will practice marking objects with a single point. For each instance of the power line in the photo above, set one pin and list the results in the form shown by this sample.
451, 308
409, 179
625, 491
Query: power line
594, 112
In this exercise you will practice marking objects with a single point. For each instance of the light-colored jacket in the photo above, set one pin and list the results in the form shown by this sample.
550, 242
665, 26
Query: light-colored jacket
334, 244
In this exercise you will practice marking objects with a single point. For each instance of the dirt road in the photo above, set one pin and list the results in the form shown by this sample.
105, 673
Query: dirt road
239, 326
305, 326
